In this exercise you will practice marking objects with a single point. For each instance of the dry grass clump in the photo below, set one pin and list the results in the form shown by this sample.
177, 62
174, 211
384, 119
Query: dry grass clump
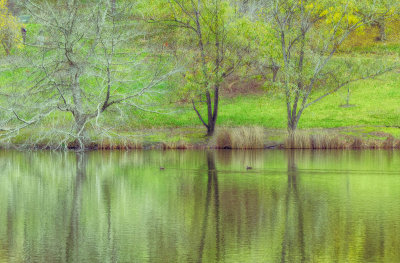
373, 144
239, 138
223, 138
357, 143
396, 144
109, 144
179, 145
305, 140
327, 141
389, 143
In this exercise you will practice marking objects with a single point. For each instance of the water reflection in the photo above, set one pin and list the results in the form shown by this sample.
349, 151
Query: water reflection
212, 192
72, 246
294, 206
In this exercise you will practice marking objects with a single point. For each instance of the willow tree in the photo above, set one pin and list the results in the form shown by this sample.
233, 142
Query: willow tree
309, 34
207, 41
87, 63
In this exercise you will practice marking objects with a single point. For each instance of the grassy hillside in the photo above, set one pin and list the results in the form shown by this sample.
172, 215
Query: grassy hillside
374, 103
374, 111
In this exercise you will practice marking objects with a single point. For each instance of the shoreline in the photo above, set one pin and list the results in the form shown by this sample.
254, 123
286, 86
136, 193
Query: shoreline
228, 138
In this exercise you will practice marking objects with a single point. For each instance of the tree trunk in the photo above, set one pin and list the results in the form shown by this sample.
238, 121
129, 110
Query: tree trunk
113, 4
292, 126
212, 120
82, 138
382, 30
6, 47
23, 33
80, 117
275, 70
212, 111
210, 128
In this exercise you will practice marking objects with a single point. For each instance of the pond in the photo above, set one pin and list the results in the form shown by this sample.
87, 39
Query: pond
292, 206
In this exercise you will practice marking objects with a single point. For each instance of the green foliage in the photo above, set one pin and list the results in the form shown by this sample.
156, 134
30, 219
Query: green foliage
308, 35
237, 40
209, 48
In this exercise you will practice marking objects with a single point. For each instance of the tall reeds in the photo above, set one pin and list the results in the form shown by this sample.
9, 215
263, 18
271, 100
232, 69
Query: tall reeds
239, 138
324, 140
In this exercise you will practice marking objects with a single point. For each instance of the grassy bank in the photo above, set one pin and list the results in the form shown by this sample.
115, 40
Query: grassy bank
252, 116
374, 116
253, 137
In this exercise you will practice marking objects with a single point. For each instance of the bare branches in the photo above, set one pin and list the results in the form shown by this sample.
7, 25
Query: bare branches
198, 114
89, 58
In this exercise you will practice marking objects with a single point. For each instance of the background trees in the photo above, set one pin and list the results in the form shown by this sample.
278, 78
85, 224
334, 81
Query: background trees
381, 12
10, 29
310, 34
89, 64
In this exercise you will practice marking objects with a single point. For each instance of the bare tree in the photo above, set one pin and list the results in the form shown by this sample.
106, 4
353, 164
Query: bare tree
90, 60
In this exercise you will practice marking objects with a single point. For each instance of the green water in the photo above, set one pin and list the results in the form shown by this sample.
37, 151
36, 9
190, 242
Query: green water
303, 206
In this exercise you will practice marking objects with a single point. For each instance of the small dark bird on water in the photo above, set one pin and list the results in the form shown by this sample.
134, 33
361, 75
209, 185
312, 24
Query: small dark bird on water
249, 168
162, 168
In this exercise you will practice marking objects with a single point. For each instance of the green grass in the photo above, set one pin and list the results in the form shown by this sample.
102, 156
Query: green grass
376, 110
376, 104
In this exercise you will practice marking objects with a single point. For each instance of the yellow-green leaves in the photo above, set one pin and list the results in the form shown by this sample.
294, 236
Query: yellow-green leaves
10, 29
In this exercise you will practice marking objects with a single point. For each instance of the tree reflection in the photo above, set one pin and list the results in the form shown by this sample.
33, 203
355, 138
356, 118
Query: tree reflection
107, 191
293, 215
212, 192
72, 246
303, 207
10, 225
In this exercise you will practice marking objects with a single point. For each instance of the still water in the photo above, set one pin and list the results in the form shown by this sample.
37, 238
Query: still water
293, 206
